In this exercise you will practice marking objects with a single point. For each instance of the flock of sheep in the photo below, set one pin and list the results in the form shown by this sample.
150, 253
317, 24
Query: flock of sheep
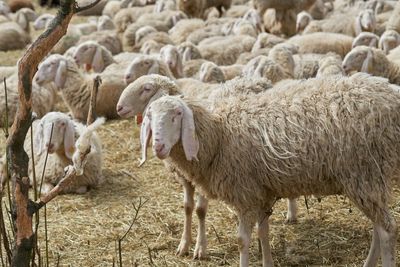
246, 101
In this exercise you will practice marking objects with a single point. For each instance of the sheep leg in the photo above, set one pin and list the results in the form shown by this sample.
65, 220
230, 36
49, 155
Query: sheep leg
263, 235
244, 236
387, 238
188, 201
374, 251
291, 216
201, 242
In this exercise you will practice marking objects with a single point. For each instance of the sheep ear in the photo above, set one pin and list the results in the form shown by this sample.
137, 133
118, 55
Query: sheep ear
367, 62
61, 74
155, 68
69, 139
38, 140
357, 25
145, 135
179, 66
22, 21
188, 135
98, 61
372, 43
187, 55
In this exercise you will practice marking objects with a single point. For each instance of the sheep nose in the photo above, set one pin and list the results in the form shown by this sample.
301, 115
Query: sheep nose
169, 62
158, 147
127, 78
119, 108
50, 146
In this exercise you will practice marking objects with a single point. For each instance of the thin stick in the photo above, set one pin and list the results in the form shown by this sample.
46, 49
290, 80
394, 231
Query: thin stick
4, 234
45, 161
46, 236
93, 98
6, 135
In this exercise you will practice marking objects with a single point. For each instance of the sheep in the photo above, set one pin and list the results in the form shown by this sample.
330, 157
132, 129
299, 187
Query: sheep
170, 55
367, 39
322, 43
108, 39
280, 22
394, 55
306, 65
394, 20
184, 28
141, 93
75, 87
15, 35
150, 47
61, 147
42, 21
7, 71
389, 40
266, 40
210, 73
280, 5
231, 71
197, 142
331, 64
129, 36
93, 55
145, 64
225, 50
302, 20
16, 5
105, 23
162, 5
196, 9
188, 51
43, 97
93, 11
127, 16
263, 66
4, 9
150, 33
372, 61
345, 24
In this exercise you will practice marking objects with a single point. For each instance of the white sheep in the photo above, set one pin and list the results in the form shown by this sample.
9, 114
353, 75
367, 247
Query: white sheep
144, 65
389, 40
210, 73
42, 21
331, 64
108, 39
15, 35
197, 142
92, 54
367, 39
372, 61
197, 9
170, 55
75, 87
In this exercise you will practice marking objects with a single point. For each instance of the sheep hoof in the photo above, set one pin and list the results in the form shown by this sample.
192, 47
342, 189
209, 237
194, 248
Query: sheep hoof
183, 248
199, 252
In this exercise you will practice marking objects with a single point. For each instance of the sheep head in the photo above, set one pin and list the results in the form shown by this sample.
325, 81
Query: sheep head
367, 39
141, 65
62, 138
169, 120
170, 55
303, 19
52, 69
359, 59
389, 40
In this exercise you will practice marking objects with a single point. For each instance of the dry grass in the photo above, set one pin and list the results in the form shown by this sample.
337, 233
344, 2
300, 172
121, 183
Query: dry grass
83, 228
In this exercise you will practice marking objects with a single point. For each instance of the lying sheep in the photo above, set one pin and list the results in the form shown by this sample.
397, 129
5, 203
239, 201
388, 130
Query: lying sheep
108, 39
75, 87
367, 39
372, 61
389, 40
63, 131
15, 35
195, 141
210, 73
331, 64
322, 43
144, 65
93, 55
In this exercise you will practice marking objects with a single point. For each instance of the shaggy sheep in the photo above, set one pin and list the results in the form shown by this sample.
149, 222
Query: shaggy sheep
331, 64
210, 73
263, 66
75, 87
127, 16
389, 40
93, 55
184, 28
306, 65
322, 43
105, 23
147, 33
196, 9
345, 24
15, 35
108, 39
170, 55
372, 61
367, 39
129, 36
197, 142
144, 65
63, 131
232, 71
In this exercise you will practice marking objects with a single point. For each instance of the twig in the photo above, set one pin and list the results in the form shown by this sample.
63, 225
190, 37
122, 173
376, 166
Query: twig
93, 98
6, 135
137, 209
215, 231
4, 234
45, 160
46, 240
306, 202
58, 259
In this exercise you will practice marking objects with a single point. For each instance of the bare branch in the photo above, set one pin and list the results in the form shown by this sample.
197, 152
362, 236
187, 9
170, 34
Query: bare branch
80, 9
93, 97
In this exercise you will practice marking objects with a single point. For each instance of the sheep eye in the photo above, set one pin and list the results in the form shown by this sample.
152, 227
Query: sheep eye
63, 124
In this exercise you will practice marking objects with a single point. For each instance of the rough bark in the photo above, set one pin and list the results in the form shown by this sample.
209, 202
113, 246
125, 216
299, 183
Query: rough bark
23, 208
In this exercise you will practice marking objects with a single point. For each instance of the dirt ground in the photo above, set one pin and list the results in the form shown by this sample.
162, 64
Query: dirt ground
83, 229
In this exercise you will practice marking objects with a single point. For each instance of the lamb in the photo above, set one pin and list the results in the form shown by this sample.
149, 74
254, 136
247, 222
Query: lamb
345, 24
263, 66
322, 43
372, 61
232, 71
196, 142
331, 64
145, 64
92, 54
170, 55
61, 147
15, 35
75, 87
389, 40
196, 9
